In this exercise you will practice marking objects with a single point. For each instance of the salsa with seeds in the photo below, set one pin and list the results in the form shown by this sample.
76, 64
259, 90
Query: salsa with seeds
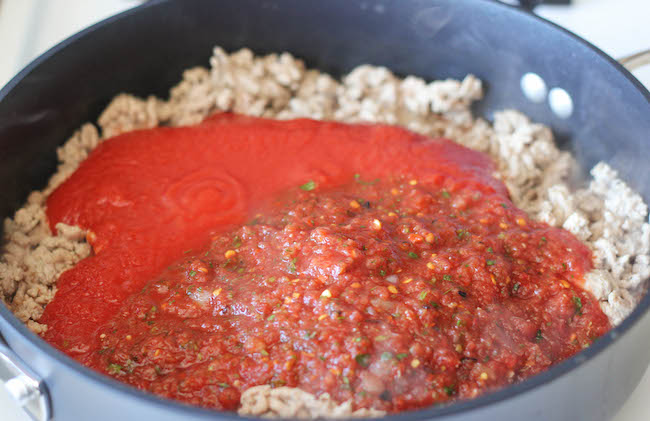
378, 266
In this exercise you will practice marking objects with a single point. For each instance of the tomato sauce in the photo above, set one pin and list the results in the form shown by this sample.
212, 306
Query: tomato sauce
363, 261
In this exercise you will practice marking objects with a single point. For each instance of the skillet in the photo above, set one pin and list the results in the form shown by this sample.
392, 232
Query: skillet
144, 50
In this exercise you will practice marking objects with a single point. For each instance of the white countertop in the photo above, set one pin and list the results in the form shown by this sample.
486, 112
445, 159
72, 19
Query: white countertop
619, 27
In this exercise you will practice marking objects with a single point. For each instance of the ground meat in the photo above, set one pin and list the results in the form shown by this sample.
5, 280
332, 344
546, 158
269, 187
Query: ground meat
606, 214
287, 402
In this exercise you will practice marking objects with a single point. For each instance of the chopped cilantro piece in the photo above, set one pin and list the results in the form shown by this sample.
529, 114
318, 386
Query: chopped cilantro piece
192, 272
538, 335
292, 265
401, 356
423, 295
446, 194
446, 277
309, 335
114, 369
413, 255
224, 385
308, 186
490, 262
577, 302
363, 360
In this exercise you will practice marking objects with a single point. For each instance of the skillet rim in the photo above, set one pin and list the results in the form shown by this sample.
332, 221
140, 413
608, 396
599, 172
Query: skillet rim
565, 367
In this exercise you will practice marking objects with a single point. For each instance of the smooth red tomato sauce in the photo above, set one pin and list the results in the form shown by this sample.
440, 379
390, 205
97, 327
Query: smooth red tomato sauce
363, 261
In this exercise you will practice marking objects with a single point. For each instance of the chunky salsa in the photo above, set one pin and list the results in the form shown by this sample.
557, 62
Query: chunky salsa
363, 261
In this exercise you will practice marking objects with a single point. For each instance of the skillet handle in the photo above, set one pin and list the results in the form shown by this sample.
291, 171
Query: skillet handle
23, 385
636, 61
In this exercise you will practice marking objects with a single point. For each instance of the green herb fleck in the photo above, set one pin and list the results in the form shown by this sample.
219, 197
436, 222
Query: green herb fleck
401, 356
357, 339
224, 385
363, 359
449, 390
308, 186
490, 250
515, 287
538, 336
504, 206
114, 369
446, 277
271, 318
264, 352
446, 194
490, 262
382, 272
413, 255
309, 335
423, 295
321, 358
192, 273
578, 305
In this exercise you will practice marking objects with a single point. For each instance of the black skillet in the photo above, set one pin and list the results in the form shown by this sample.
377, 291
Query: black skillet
143, 51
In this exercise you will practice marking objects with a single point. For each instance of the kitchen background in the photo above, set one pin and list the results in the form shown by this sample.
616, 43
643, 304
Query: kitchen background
30, 27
